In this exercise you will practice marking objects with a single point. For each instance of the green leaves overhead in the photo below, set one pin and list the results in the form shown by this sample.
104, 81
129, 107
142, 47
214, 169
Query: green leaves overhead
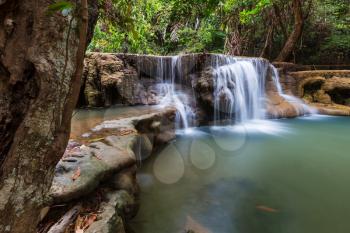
181, 26
246, 15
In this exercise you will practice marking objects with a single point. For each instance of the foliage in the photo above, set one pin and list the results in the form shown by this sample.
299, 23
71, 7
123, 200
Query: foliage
183, 26
327, 34
60, 6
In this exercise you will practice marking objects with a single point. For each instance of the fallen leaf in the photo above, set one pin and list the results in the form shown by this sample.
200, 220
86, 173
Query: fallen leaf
126, 132
89, 220
95, 139
76, 174
266, 209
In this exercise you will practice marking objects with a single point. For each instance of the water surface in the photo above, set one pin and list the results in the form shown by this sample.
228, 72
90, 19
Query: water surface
281, 176
85, 119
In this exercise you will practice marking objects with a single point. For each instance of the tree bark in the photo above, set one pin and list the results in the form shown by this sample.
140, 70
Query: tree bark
295, 34
269, 37
41, 59
233, 43
267, 43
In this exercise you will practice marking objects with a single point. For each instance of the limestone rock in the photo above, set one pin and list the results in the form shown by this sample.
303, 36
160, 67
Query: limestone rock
110, 220
321, 96
110, 148
109, 80
332, 109
93, 163
278, 107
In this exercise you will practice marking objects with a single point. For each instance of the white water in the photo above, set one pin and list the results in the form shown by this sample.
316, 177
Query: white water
239, 89
172, 93
298, 104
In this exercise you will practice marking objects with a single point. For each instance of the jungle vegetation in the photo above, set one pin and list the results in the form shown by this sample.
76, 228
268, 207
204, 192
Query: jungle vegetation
318, 30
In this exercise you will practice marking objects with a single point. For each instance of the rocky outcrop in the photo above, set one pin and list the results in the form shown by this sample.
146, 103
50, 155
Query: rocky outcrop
110, 151
278, 107
109, 80
326, 90
131, 79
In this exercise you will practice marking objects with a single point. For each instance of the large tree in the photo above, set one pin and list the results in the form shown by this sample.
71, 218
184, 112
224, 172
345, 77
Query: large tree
41, 61
299, 21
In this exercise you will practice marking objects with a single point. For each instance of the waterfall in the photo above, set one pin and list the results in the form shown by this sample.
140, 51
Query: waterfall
298, 104
169, 69
239, 88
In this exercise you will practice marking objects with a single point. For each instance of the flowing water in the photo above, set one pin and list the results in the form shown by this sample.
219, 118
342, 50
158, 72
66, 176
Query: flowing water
239, 88
84, 120
172, 93
281, 176
298, 104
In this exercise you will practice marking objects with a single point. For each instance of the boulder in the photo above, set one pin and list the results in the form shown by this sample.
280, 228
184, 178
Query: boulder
109, 148
109, 80
111, 213
82, 168
321, 96
278, 107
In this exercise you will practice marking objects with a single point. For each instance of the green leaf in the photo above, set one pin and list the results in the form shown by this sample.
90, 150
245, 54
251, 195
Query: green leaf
60, 6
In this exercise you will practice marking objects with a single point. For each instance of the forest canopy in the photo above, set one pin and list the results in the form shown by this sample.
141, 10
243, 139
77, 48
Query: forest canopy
249, 28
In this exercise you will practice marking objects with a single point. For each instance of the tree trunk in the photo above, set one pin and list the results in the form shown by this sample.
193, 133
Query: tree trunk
41, 57
233, 44
267, 43
296, 33
269, 39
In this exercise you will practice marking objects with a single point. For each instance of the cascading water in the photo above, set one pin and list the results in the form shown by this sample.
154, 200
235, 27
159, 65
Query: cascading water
239, 89
172, 93
298, 104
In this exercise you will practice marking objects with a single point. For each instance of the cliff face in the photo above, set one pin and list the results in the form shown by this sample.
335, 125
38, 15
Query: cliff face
130, 79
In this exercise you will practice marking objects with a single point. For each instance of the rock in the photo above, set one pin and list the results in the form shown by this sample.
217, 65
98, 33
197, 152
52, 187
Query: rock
109, 219
94, 162
204, 88
327, 90
126, 180
278, 107
308, 98
131, 79
321, 96
118, 207
109, 80
332, 109
109, 149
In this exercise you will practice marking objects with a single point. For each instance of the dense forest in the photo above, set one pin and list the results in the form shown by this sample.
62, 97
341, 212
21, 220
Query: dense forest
249, 28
